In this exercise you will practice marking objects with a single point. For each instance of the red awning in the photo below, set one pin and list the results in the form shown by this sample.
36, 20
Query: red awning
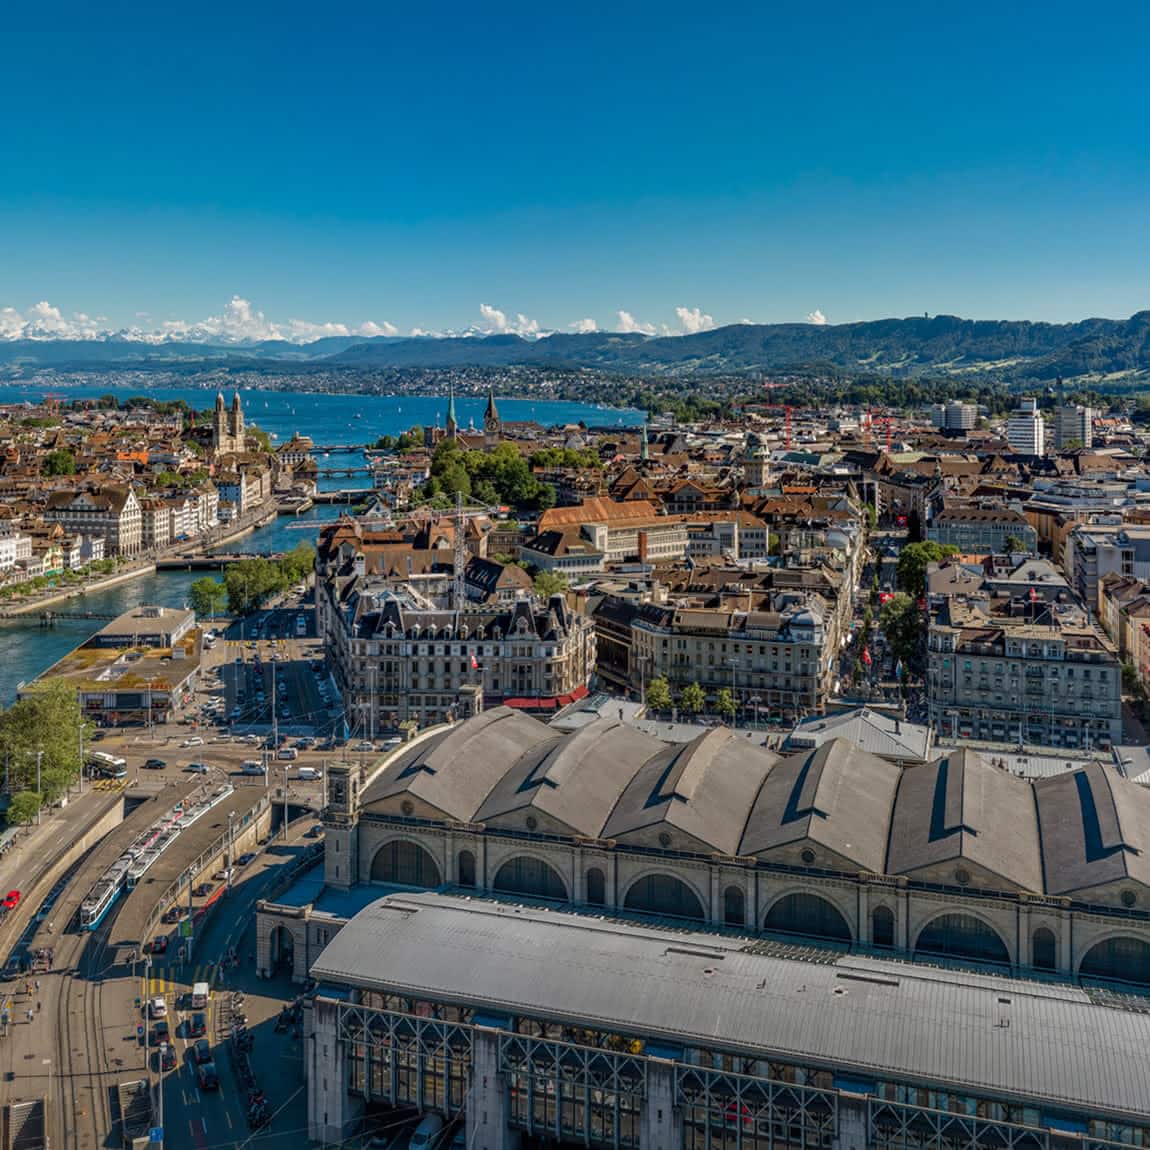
531, 704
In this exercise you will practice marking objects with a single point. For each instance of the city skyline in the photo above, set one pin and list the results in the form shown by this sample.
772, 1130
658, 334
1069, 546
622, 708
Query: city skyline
640, 170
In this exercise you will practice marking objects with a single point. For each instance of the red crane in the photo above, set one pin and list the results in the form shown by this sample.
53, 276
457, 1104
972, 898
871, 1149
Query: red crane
780, 407
869, 419
51, 400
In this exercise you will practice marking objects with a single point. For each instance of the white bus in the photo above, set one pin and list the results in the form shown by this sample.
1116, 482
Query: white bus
110, 766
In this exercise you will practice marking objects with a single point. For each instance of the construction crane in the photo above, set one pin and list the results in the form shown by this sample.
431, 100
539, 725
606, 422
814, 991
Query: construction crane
781, 407
869, 419
51, 400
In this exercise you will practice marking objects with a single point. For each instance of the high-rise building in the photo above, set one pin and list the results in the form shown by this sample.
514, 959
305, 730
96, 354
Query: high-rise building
1025, 430
960, 416
1073, 426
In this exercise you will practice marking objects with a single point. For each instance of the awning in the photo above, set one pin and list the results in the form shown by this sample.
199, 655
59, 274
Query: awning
532, 704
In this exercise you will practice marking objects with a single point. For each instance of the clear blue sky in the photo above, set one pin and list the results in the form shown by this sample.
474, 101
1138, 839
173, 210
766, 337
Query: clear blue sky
407, 162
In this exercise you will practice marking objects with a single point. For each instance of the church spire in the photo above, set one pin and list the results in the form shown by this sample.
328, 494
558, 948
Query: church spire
644, 449
451, 425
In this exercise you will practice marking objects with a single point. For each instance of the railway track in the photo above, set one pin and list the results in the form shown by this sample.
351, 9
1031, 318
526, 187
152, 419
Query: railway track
86, 1071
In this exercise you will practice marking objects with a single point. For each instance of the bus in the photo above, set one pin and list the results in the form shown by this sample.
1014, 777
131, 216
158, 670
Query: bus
110, 766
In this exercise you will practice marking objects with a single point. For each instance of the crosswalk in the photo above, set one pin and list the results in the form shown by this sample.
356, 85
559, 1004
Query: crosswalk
162, 984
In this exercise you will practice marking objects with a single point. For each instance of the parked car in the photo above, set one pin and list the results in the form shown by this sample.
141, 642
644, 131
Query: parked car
197, 1024
159, 944
193, 741
198, 768
245, 858
154, 764
364, 745
11, 900
160, 1032
167, 1056
172, 914
203, 890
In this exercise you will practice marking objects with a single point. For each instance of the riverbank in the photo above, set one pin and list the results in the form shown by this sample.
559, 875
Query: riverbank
35, 606
41, 603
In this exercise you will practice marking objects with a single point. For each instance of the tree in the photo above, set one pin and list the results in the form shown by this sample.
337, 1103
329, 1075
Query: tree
207, 596
871, 517
725, 705
47, 722
901, 623
658, 695
1010, 545
692, 698
60, 462
24, 807
913, 561
548, 583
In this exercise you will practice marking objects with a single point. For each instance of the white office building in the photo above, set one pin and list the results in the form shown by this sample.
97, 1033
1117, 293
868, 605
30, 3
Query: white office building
1025, 430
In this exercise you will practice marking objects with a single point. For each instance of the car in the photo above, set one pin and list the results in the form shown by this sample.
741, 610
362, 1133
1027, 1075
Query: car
193, 741
172, 914
387, 744
154, 764
245, 858
202, 1051
157, 1007
314, 831
159, 944
197, 1024
167, 1056
207, 1077
161, 1032
198, 768
11, 900
225, 874
203, 890
364, 745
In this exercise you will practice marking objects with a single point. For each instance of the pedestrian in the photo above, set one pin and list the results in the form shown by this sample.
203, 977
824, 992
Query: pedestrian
39, 1006
37, 984
29, 1015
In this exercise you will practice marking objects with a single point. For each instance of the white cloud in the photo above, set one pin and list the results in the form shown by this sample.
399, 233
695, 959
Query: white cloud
584, 326
371, 328
239, 322
628, 323
694, 319
816, 317
497, 322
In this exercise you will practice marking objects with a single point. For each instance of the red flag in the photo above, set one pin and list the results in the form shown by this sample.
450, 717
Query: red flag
474, 662
866, 656
1034, 594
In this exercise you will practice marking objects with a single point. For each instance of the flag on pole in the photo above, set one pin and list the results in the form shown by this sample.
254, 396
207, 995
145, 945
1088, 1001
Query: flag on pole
474, 662
866, 656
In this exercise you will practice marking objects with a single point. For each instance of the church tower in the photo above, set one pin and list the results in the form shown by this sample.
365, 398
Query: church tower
236, 423
219, 426
451, 426
492, 424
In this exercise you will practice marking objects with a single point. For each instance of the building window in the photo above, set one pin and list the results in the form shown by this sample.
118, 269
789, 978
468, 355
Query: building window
466, 869
882, 926
807, 914
406, 864
734, 906
530, 876
962, 936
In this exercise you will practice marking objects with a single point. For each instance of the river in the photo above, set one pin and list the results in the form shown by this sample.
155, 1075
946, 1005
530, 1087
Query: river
28, 650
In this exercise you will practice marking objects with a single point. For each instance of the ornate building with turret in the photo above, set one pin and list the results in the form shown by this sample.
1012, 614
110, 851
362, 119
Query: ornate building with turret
228, 426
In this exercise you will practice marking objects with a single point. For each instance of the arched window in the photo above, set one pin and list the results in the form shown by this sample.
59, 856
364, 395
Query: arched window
962, 936
734, 906
530, 876
664, 894
808, 914
466, 868
1123, 959
405, 863
882, 926
1044, 949
596, 887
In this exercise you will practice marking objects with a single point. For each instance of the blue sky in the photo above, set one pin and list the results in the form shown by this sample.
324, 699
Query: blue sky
401, 165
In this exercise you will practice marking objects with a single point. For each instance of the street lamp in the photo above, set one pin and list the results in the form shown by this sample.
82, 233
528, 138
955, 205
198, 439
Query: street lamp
754, 700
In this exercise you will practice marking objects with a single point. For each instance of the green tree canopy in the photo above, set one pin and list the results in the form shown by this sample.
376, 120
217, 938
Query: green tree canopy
913, 561
23, 807
48, 721
207, 596
59, 462
550, 583
901, 623
659, 695
725, 705
692, 698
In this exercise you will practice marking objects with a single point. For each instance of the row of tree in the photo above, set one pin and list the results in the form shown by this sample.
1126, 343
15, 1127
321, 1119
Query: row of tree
692, 699
492, 477
250, 583
47, 724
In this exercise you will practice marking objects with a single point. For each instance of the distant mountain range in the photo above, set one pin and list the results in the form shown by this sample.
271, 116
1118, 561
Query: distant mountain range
1007, 349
